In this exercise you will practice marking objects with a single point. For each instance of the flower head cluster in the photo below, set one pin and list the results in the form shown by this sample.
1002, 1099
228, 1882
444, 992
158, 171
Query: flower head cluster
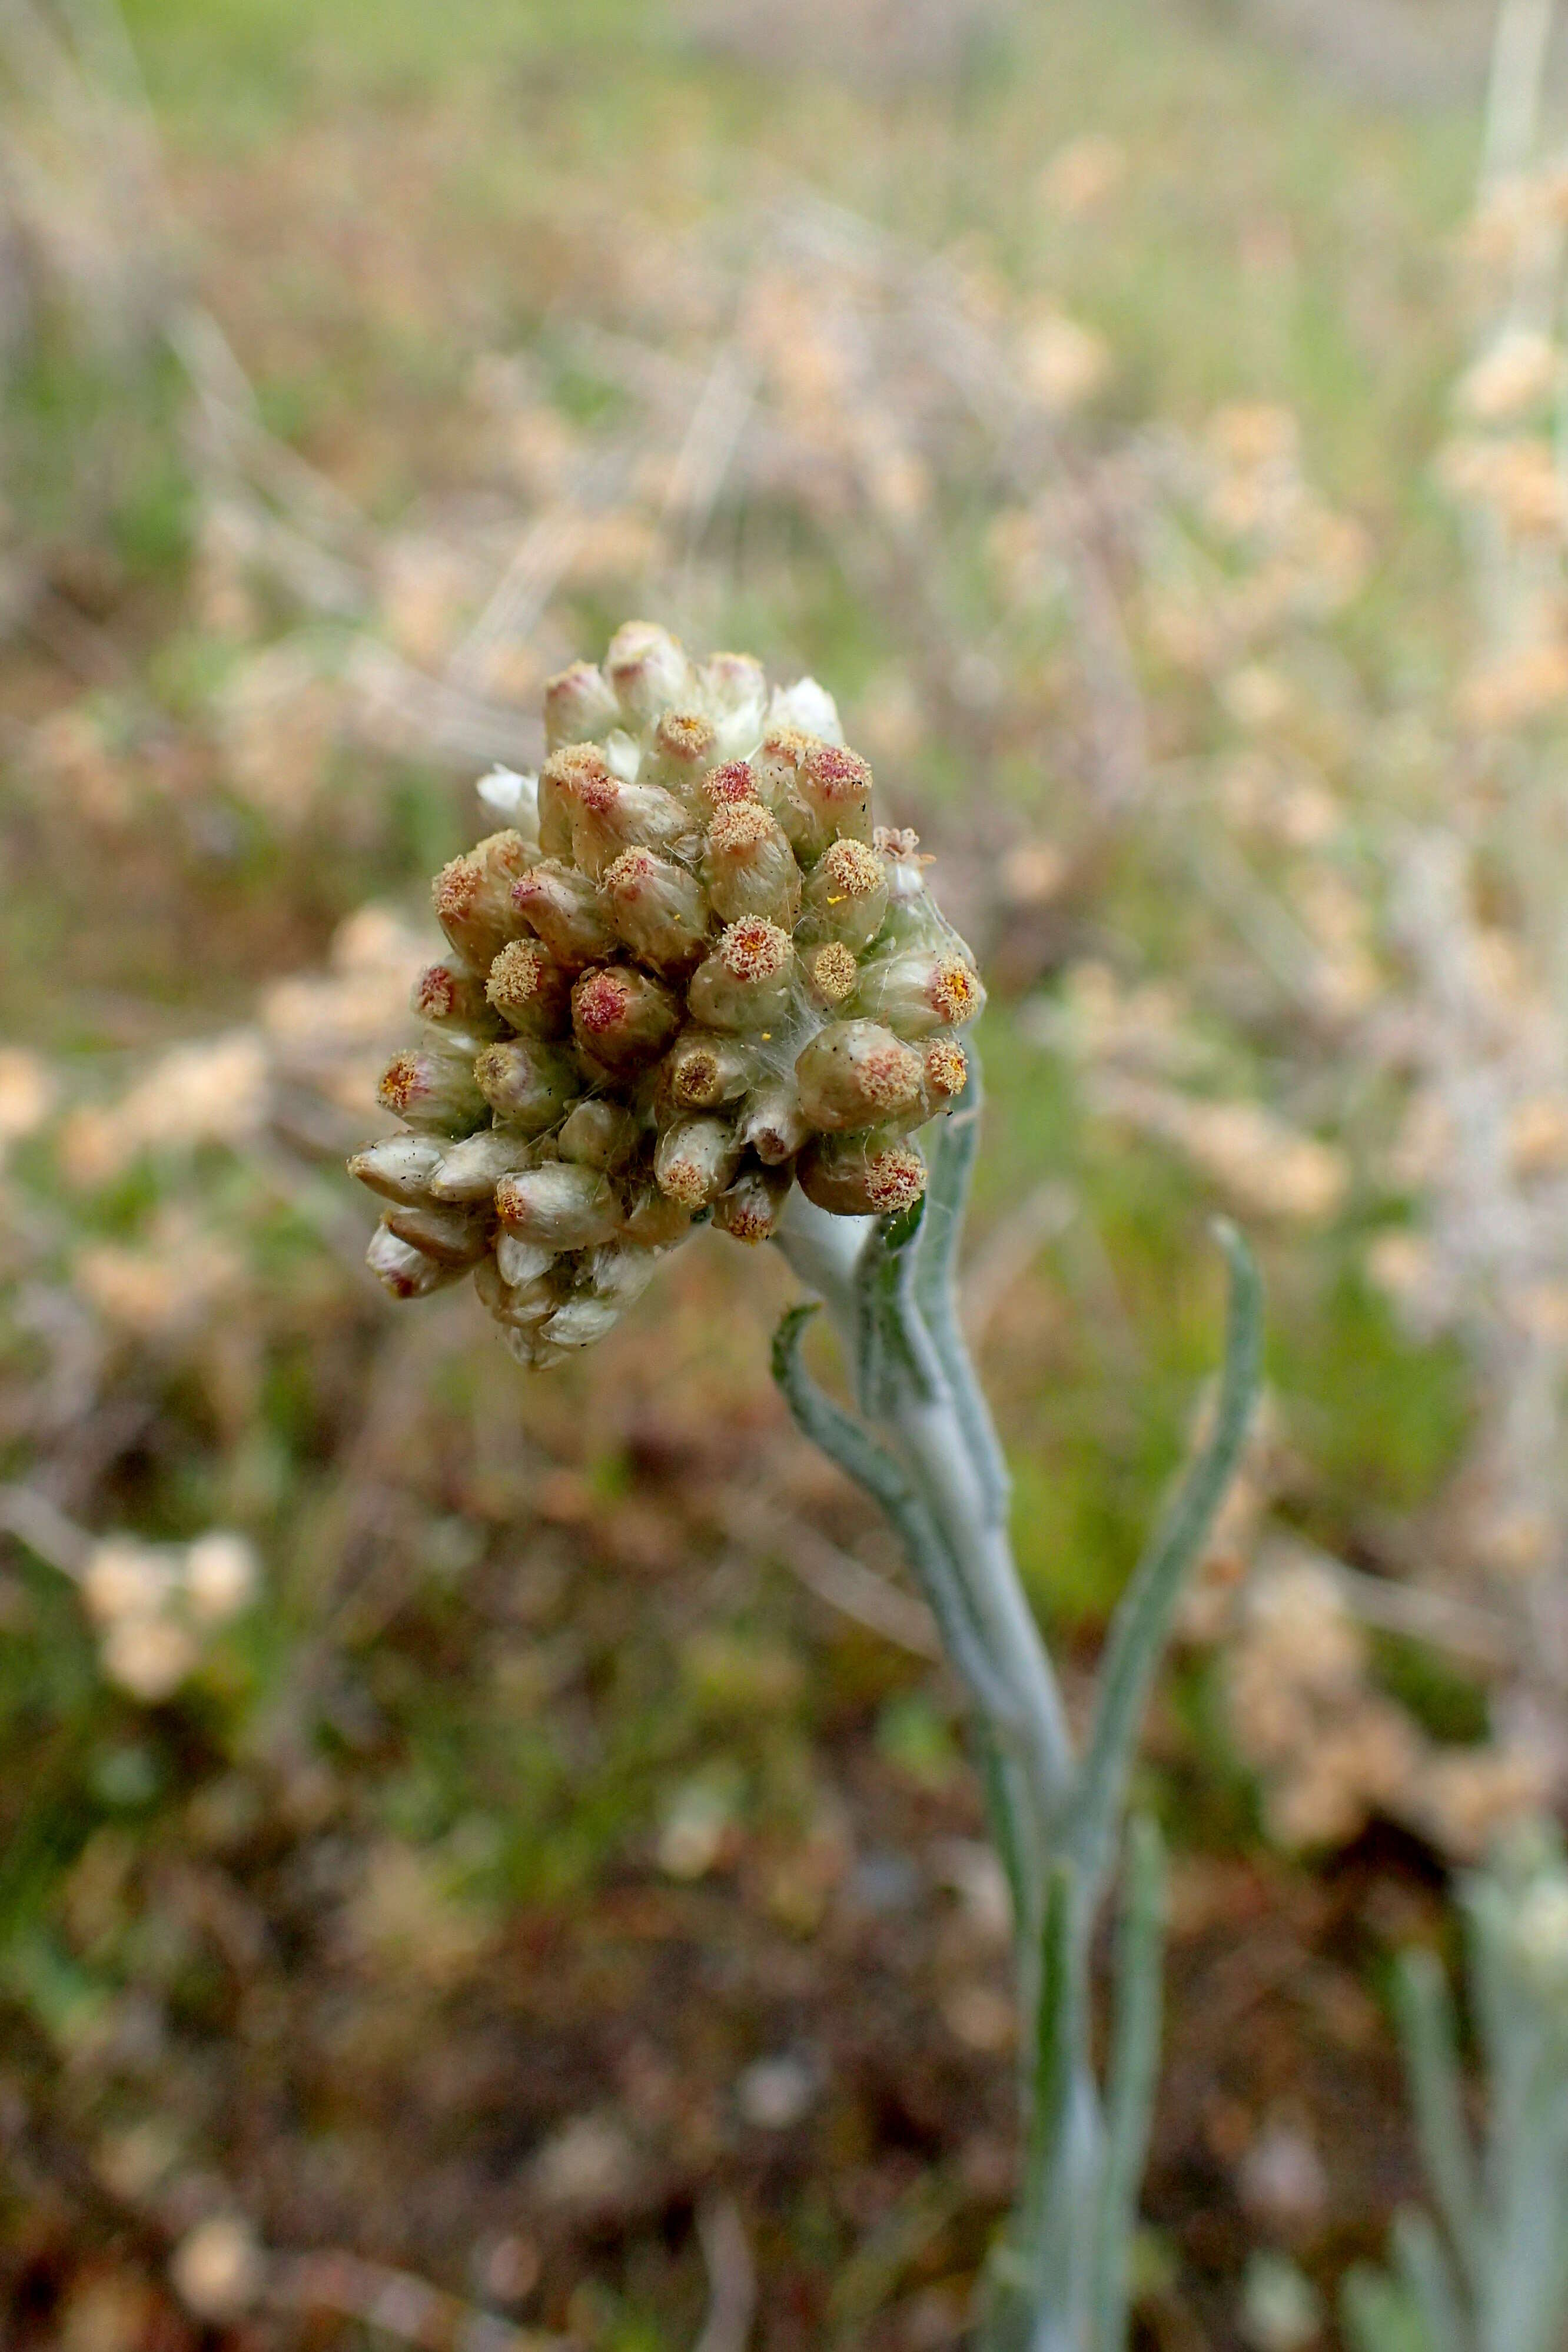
688, 972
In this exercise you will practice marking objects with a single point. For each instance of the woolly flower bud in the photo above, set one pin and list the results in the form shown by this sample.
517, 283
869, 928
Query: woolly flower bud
608, 816
744, 983
566, 914
734, 693
684, 743
451, 1235
749, 1210
471, 1169
529, 1086
406, 1270
579, 703
696, 1160
451, 996
402, 1168
598, 1134
433, 1086
472, 897
622, 1017
858, 1074
649, 671
704, 1068
846, 895
529, 989
558, 1206
688, 972
864, 1175
917, 989
749, 866
658, 909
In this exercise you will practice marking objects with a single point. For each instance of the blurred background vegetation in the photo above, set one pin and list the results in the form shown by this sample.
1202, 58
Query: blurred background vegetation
489, 1858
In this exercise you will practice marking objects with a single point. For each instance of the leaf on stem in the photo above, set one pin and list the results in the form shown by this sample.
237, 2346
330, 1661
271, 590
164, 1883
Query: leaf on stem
1142, 1620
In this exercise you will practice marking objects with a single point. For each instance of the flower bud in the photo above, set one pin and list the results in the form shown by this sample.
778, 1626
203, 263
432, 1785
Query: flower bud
471, 1169
744, 983
702, 1069
564, 911
863, 1175
400, 1167
846, 896
649, 671
472, 897
684, 746
558, 1206
749, 866
820, 792
519, 1262
452, 1236
515, 800
529, 989
831, 972
618, 1272
917, 989
771, 1122
654, 1221
724, 787
558, 782
622, 1017
807, 707
448, 994
946, 1069
857, 1074
524, 1303
432, 1086
696, 1160
582, 1321
598, 1134
405, 1271
579, 702
913, 919
749, 1210
608, 816
528, 1086
734, 693
658, 909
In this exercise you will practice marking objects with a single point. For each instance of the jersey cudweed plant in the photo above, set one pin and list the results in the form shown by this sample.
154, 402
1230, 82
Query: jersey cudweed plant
693, 982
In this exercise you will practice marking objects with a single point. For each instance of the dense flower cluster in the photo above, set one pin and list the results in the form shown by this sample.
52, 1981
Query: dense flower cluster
688, 972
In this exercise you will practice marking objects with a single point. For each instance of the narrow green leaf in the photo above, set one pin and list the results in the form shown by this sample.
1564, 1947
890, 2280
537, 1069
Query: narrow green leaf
1142, 1620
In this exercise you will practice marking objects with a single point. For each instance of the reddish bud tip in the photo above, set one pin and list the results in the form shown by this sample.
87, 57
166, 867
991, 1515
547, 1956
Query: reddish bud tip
600, 1002
733, 782
836, 773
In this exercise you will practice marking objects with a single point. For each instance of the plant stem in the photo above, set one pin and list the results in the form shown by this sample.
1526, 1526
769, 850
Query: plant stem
927, 1450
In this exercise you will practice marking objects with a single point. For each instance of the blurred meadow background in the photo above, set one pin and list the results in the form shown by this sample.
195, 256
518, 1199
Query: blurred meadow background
487, 1859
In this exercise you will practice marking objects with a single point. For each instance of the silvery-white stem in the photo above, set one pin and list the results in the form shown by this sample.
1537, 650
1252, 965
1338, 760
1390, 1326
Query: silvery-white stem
925, 1448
